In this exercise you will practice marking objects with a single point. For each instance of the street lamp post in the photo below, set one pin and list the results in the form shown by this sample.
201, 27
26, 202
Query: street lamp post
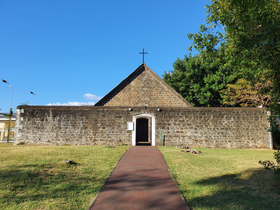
11, 110
35, 95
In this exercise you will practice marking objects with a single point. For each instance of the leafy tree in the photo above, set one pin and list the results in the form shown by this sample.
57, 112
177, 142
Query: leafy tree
199, 78
242, 93
248, 32
252, 33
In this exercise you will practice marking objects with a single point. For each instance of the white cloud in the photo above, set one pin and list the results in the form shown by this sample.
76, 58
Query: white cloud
72, 104
90, 96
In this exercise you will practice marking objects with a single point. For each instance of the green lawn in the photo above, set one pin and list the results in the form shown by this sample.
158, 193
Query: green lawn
224, 178
35, 177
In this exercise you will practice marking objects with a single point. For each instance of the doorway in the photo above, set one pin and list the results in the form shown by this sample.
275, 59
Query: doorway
142, 132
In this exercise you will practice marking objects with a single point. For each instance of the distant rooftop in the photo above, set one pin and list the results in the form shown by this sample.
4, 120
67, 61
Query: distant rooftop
3, 116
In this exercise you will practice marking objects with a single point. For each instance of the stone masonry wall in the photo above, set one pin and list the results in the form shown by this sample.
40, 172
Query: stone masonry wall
71, 125
215, 127
195, 127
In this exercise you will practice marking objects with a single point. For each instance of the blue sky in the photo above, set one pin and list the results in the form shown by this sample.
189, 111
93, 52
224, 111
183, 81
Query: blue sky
74, 52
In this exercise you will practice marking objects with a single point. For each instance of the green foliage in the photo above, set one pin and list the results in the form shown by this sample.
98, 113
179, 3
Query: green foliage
199, 78
242, 93
252, 33
275, 165
251, 30
249, 33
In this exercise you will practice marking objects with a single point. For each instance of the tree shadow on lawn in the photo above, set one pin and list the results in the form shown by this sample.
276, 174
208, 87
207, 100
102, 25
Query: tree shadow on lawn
40, 183
252, 189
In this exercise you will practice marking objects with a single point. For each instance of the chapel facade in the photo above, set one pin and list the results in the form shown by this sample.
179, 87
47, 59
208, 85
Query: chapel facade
143, 110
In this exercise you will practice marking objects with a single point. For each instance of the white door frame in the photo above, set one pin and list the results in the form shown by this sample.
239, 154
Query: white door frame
153, 143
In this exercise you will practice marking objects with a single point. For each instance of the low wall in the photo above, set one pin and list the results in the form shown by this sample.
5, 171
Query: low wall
188, 126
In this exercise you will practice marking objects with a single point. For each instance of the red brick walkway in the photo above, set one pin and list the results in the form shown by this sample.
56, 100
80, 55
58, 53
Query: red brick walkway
141, 181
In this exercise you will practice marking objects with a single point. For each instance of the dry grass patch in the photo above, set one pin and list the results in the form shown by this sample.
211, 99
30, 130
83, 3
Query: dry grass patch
224, 178
35, 177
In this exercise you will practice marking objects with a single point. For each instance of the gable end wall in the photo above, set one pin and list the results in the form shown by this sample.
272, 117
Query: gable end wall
147, 90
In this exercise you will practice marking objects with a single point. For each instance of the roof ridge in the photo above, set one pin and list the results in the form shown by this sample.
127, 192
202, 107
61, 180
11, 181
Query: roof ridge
166, 86
116, 87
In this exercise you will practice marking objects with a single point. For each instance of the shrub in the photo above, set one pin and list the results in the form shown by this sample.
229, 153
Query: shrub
275, 165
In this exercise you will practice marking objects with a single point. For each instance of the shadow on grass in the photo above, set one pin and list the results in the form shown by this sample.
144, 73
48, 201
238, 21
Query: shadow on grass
249, 190
40, 183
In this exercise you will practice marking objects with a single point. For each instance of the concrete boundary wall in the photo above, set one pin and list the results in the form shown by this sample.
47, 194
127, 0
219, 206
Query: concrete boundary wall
187, 126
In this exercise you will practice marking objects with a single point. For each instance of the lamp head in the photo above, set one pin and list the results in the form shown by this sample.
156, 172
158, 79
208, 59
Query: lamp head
4, 81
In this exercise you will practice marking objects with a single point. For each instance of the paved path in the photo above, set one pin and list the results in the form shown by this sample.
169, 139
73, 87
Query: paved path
140, 181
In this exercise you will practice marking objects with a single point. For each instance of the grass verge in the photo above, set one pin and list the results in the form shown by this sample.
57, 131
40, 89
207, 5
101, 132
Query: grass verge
221, 179
35, 177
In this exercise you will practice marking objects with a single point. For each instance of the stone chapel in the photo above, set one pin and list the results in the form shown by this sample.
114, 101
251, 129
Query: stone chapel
143, 110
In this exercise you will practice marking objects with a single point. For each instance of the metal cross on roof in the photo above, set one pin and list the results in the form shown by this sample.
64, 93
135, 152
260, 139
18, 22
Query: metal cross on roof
143, 54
